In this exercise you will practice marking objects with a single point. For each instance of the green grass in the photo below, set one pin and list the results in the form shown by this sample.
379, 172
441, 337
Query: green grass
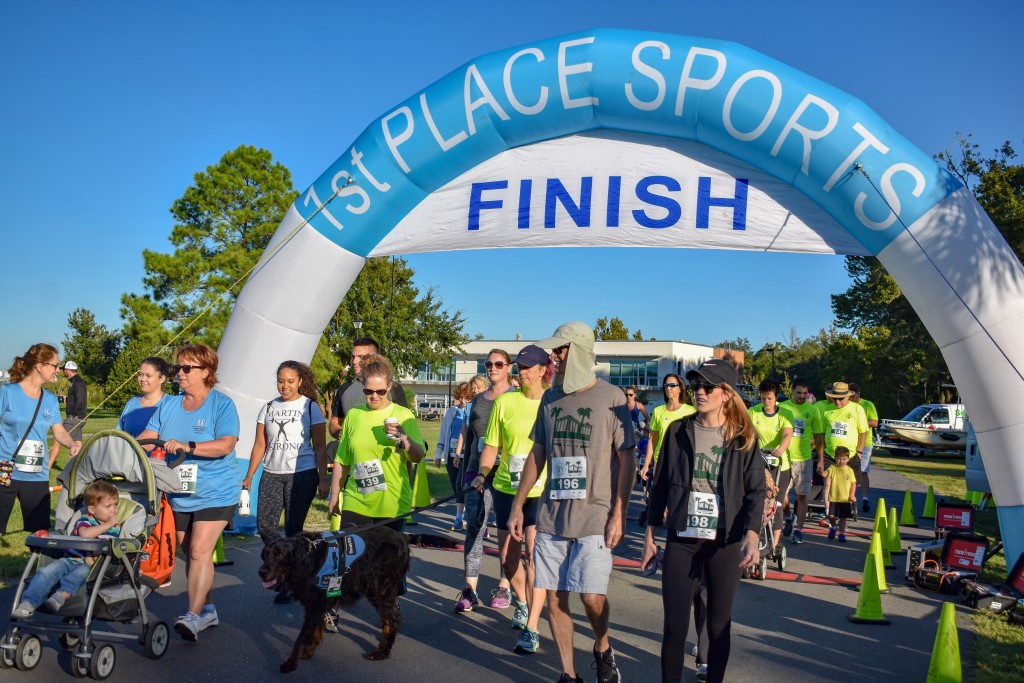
997, 650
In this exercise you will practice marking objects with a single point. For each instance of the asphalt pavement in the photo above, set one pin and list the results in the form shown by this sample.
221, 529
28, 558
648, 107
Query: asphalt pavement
792, 626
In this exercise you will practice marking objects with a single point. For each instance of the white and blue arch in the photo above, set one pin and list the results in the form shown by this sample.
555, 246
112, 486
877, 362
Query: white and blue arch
627, 138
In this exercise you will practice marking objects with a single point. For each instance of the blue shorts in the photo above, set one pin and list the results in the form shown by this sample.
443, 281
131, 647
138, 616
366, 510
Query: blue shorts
576, 565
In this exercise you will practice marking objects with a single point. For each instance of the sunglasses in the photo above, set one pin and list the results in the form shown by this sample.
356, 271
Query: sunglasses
670, 385
706, 386
630, 395
186, 368
496, 364
559, 350
380, 392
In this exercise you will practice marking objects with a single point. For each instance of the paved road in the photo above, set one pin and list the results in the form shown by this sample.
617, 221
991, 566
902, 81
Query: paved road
782, 629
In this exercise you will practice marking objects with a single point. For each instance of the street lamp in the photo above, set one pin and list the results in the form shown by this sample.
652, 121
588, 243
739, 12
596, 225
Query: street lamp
358, 325
772, 350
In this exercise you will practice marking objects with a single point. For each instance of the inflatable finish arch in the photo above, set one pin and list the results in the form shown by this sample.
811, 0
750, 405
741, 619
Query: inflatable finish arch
626, 138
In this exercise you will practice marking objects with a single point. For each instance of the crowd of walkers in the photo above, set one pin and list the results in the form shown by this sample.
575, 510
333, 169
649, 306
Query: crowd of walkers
553, 458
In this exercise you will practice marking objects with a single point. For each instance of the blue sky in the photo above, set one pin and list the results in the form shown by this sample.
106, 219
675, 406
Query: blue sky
110, 108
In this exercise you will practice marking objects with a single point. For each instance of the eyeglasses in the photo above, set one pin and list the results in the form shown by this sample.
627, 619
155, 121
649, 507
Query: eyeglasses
559, 350
496, 364
186, 368
706, 386
54, 365
670, 385
380, 392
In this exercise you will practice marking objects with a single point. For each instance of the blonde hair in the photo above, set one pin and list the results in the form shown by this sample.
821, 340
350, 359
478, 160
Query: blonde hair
737, 420
479, 381
376, 366
99, 491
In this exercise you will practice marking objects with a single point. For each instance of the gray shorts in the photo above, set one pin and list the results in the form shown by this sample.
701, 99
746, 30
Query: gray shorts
577, 565
74, 426
803, 472
865, 459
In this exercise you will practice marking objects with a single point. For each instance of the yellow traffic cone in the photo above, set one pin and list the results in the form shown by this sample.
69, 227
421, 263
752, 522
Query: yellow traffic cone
881, 509
874, 557
869, 602
929, 504
218, 554
880, 519
893, 538
908, 518
945, 664
883, 544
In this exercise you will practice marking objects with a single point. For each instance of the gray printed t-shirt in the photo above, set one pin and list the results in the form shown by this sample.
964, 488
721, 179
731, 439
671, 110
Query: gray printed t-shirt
708, 448
592, 424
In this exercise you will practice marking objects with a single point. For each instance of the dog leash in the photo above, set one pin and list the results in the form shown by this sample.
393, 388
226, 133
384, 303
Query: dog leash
366, 527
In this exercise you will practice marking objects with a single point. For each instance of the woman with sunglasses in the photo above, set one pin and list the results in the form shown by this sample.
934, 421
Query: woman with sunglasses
152, 375
204, 423
377, 441
479, 503
708, 492
674, 408
27, 413
508, 433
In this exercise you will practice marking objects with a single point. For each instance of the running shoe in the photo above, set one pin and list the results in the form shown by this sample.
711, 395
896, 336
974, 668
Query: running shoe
501, 598
566, 678
529, 641
468, 599
24, 610
520, 615
831, 533
865, 506
55, 602
798, 536
607, 669
208, 618
842, 537
787, 528
188, 627
458, 524
702, 672
331, 621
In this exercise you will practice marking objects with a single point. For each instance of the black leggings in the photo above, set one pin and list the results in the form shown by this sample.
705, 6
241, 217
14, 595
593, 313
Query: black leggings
35, 504
454, 477
687, 563
293, 493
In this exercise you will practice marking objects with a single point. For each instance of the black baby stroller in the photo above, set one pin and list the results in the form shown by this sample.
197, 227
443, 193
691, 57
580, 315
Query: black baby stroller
113, 591
766, 539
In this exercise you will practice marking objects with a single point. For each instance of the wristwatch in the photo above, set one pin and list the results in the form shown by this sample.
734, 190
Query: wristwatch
191, 447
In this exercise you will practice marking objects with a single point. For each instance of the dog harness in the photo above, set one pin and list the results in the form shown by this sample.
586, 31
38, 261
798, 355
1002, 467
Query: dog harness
337, 562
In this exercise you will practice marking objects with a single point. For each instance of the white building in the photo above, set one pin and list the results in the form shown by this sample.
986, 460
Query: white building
622, 363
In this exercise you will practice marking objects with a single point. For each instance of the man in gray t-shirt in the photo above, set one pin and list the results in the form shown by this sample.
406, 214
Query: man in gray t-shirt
584, 435
350, 394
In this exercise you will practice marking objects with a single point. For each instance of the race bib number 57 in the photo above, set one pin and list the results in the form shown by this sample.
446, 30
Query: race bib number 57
568, 478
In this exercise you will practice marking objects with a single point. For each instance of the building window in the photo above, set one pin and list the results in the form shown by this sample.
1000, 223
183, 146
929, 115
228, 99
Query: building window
626, 372
441, 374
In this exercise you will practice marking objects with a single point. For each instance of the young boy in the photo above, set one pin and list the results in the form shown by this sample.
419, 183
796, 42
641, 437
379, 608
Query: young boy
71, 571
841, 484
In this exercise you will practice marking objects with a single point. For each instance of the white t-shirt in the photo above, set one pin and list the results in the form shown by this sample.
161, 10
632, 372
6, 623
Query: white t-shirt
287, 426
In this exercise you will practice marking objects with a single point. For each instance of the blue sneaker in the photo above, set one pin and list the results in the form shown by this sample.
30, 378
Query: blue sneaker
842, 538
787, 529
831, 532
520, 615
529, 641
798, 536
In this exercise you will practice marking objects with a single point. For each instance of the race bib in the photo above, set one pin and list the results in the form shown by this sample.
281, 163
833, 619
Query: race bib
30, 457
189, 475
701, 516
839, 429
568, 478
453, 443
515, 469
480, 445
798, 427
369, 476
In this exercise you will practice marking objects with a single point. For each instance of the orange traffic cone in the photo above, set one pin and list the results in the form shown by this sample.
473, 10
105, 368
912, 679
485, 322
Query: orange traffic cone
945, 663
869, 602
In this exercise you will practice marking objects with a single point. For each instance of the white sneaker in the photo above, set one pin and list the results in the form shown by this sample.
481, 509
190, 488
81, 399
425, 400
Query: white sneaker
208, 618
702, 672
188, 627
24, 610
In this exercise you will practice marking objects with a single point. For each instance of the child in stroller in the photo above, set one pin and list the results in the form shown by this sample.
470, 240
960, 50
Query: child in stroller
769, 549
71, 571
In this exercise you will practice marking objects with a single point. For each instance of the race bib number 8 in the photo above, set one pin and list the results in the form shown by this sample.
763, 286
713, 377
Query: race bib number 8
568, 478
701, 516
369, 476
30, 457
189, 474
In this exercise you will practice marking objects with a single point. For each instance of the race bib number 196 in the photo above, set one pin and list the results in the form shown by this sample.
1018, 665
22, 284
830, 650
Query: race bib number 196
568, 478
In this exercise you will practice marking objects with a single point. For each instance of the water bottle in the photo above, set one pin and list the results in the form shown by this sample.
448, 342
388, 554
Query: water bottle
243, 504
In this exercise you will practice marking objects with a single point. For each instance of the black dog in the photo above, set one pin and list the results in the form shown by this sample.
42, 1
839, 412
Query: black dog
377, 575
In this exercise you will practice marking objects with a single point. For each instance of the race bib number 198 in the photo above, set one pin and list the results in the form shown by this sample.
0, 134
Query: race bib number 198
568, 478
701, 517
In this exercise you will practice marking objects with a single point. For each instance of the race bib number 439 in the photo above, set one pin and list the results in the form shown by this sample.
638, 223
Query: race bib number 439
569, 478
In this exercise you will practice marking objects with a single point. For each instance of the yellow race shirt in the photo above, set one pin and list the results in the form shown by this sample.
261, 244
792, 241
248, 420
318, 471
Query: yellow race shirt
661, 418
840, 480
842, 427
871, 413
806, 423
769, 429
378, 482
508, 430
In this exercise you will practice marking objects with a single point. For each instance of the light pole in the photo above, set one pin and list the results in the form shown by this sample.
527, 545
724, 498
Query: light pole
357, 325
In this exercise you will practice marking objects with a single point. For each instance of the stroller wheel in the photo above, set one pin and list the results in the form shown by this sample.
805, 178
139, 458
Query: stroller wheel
28, 654
745, 574
762, 569
69, 641
156, 639
7, 656
780, 557
79, 665
102, 663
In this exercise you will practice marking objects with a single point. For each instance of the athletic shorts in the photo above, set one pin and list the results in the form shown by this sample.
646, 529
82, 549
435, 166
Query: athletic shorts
183, 520
865, 459
503, 508
840, 510
802, 474
576, 565
74, 425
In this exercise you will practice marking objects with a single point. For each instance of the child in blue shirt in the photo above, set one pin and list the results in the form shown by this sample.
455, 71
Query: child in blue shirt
72, 570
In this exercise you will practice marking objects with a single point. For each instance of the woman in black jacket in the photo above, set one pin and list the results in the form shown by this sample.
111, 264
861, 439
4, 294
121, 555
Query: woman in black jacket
708, 493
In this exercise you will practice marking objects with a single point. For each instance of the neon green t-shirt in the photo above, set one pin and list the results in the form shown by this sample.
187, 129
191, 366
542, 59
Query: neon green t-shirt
806, 423
661, 418
842, 427
871, 413
840, 480
769, 429
378, 482
511, 422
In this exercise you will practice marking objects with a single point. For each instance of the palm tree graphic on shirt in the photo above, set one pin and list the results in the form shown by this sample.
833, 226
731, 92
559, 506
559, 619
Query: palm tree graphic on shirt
570, 431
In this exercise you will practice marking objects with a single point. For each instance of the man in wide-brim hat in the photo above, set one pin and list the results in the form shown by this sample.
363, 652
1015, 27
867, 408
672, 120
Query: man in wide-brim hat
843, 424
